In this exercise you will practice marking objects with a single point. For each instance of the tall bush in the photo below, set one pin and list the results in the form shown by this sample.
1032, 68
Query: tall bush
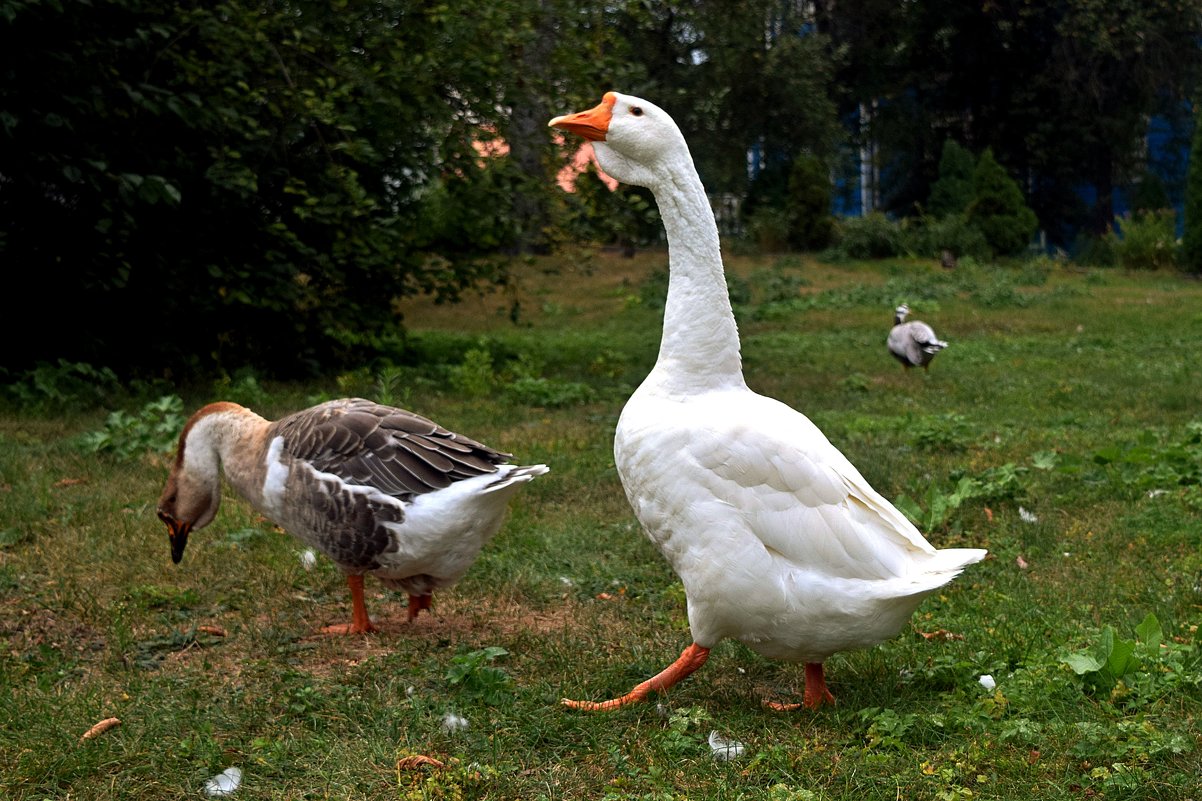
951, 233
873, 236
1191, 240
809, 204
998, 208
1146, 240
952, 192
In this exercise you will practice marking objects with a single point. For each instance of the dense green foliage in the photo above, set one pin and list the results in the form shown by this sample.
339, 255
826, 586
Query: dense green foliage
264, 182
808, 204
1145, 240
998, 208
954, 234
1060, 430
256, 182
1191, 240
952, 191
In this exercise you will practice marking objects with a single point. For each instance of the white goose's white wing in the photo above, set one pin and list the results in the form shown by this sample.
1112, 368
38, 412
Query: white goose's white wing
744, 457
806, 501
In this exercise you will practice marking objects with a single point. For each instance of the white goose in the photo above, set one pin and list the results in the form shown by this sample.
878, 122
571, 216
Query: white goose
377, 489
913, 343
779, 541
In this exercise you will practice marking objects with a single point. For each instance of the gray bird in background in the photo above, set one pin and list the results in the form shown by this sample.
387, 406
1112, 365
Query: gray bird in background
913, 344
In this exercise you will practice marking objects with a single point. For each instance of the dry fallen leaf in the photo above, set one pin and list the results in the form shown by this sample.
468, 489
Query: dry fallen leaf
100, 728
216, 631
413, 761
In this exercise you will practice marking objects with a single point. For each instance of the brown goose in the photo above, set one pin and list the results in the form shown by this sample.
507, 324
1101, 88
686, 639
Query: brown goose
913, 343
377, 489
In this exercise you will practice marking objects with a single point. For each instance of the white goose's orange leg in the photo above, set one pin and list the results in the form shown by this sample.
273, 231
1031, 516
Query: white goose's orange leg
360, 622
418, 602
690, 659
816, 693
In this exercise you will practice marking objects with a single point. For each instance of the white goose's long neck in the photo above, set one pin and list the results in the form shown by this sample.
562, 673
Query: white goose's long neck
700, 345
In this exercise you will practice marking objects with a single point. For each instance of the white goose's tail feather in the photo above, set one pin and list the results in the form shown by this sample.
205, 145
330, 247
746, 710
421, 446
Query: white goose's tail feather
953, 560
931, 574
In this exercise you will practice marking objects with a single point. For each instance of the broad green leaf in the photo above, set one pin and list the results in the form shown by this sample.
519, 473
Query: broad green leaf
1045, 460
1150, 633
1122, 659
1082, 663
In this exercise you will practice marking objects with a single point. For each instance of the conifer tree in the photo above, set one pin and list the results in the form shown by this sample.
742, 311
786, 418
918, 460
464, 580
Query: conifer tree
1191, 241
952, 191
998, 208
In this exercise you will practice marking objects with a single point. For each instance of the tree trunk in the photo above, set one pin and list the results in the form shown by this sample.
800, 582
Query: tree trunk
528, 139
1101, 216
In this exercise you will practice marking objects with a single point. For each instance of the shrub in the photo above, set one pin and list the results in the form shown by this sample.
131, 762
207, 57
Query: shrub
474, 376
768, 228
808, 204
1145, 241
1094, 251
998, 208
155, 429
952, 232
52, 387
549, 392
872, 237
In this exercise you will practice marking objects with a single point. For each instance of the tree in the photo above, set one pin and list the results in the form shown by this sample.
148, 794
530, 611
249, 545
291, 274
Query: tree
736, 76
998, 209
247, 180
953, 191
1061, 92
1191, 240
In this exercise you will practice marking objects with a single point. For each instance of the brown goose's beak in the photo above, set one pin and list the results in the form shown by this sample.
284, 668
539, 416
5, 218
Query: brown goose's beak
593, 124
178, 532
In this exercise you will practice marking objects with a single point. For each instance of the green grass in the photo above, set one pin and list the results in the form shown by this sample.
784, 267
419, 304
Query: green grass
1073, 396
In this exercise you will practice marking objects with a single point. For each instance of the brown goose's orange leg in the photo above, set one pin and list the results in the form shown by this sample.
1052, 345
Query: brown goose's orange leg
360, 622
419, 602
690, 659
816, 693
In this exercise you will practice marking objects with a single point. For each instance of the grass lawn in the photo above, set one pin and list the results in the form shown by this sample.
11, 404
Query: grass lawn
1062, 430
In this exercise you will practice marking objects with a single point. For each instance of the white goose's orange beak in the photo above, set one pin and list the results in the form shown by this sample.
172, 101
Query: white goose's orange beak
593, 124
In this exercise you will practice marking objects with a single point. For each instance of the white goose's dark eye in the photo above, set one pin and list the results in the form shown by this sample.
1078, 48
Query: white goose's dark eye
636, 111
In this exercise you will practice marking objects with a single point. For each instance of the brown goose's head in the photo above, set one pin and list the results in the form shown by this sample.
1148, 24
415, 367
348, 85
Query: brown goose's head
192, 494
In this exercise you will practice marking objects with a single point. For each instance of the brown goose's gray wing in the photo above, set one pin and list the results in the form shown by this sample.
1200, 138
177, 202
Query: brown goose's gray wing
396, 451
